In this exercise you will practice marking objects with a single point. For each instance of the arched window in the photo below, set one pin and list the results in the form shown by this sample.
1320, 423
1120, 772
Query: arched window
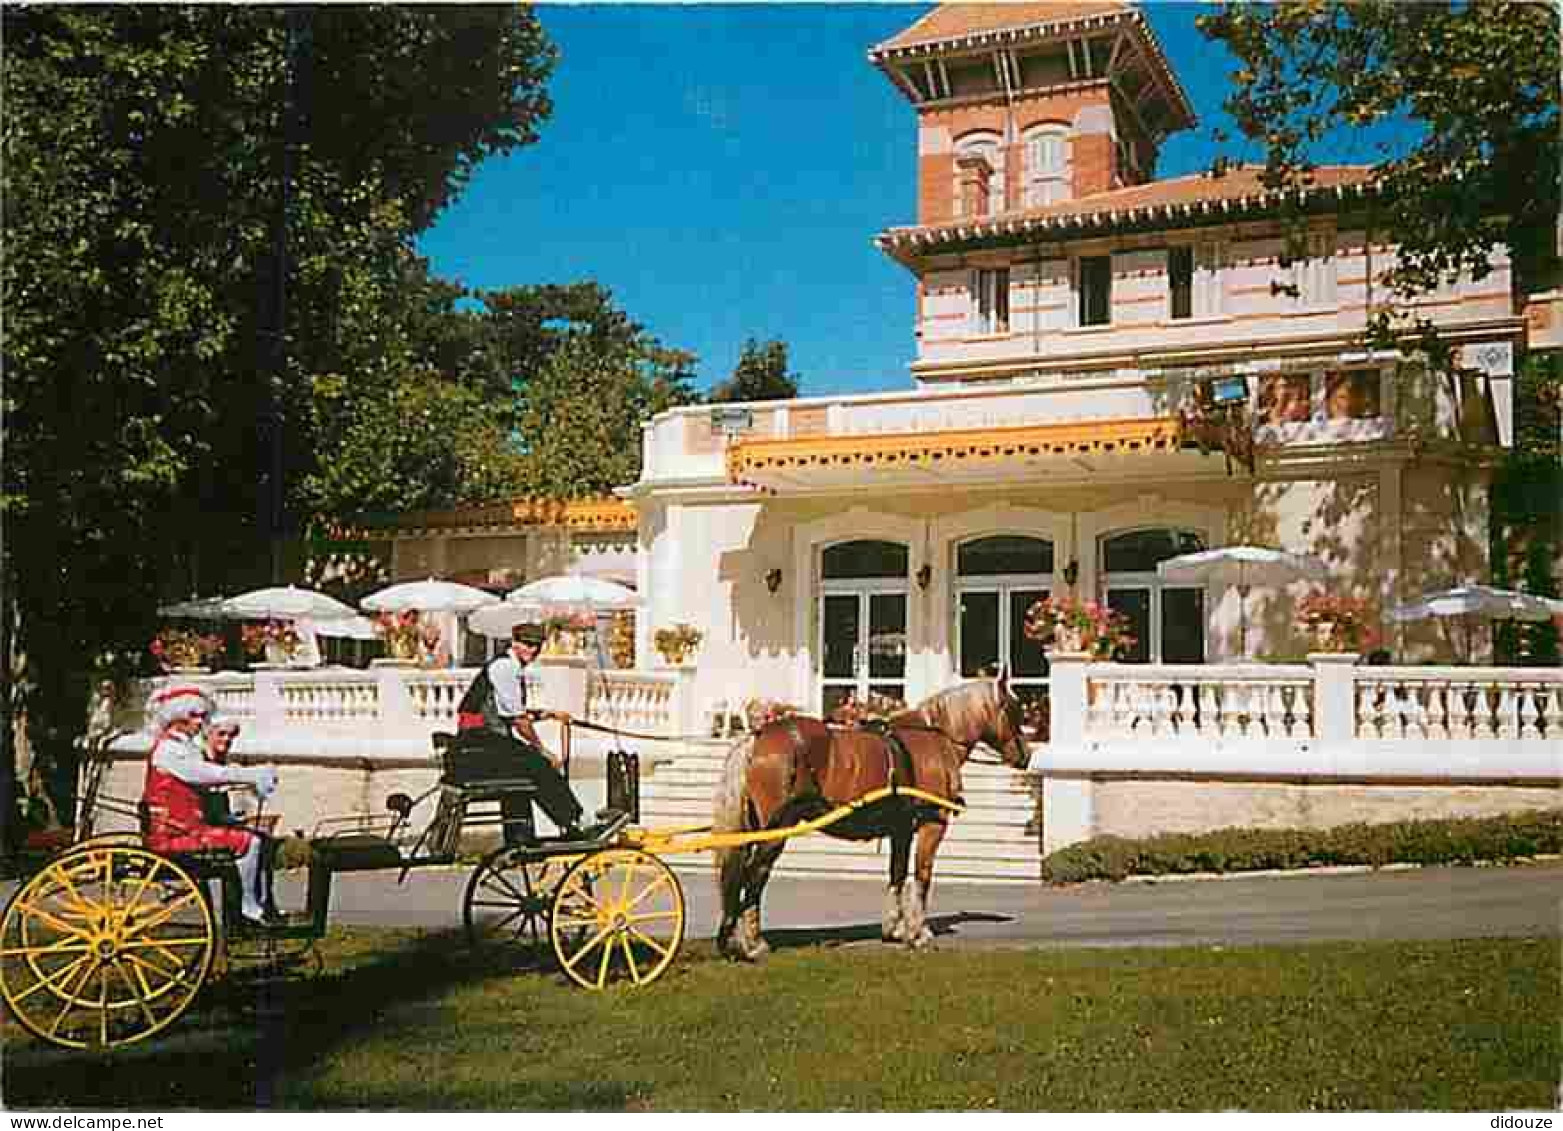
1048, 171
1167, 621
998, 578
987, 146
862, 621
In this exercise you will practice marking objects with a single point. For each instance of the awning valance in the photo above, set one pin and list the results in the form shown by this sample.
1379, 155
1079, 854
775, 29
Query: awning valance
1068, 449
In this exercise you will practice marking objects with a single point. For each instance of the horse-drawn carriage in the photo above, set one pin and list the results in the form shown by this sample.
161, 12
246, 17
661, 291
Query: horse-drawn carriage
110, 942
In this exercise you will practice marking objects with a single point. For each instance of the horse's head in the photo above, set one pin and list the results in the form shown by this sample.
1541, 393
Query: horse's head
982, 711
1005, 734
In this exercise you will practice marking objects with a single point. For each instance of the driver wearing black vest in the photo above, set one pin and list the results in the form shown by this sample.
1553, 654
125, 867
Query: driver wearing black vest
494, 711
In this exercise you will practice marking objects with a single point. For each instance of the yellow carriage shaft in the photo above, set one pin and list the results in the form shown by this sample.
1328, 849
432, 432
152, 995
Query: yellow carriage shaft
701, 838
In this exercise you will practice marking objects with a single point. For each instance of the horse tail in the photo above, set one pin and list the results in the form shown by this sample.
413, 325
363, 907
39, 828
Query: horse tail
727, 804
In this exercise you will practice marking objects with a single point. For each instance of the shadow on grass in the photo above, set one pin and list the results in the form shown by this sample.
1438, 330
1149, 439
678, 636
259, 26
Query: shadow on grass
250, 1043
787, 938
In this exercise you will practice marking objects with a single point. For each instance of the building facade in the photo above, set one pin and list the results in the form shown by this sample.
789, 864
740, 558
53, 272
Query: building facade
1071, 309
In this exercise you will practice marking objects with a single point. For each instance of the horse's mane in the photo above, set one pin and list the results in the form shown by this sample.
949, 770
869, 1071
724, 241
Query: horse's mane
958, 711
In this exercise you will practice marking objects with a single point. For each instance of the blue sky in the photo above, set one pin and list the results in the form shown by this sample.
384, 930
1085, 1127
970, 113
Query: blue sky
723, 170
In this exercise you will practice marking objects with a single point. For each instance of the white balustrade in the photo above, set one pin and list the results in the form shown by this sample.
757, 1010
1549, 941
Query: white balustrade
1520, 705
1177, 701
234, 695
436, 694
331, 697
635, 701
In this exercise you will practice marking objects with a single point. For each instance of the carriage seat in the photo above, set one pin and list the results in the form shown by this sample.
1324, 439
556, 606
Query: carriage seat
203, 864
475, 761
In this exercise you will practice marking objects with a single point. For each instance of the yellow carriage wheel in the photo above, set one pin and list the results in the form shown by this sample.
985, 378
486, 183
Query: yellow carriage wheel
618, 915
106, 946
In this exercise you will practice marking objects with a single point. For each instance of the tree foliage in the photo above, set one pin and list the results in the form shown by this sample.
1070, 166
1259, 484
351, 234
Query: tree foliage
587, 376
1475, 82
760, 375
158, 361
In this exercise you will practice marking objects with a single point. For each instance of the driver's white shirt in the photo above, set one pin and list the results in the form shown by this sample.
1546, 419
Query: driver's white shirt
509, 683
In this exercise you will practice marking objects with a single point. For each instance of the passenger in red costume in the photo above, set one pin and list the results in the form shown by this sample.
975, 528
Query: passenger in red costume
187, 761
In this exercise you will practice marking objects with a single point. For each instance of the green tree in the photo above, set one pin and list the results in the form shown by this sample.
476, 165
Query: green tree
760, 375
580, 413
1473, 86
208, 211
1474, 83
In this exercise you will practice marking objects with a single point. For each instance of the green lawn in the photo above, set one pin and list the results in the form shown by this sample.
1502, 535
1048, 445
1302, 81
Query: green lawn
408, 1021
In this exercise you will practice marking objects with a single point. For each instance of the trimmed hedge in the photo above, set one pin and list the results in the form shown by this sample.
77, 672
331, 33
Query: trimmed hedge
1455, 841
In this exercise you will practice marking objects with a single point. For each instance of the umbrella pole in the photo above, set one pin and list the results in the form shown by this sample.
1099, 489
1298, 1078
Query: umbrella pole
1242, 619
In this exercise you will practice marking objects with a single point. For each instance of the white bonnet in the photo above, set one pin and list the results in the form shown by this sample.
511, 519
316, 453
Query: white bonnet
178, 701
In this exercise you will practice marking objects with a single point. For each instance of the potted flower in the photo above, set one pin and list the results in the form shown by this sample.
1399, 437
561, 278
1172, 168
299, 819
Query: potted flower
400, 633
180, 649
1070, 625
678, 642
277, 640
1337, 623
621, 640
568, 633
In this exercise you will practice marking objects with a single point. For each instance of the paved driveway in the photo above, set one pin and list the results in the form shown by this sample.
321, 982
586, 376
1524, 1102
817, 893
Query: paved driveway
1430, 903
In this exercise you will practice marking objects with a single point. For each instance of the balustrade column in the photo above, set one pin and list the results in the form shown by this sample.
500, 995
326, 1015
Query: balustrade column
270, 714
1068, 809
1334, 700
396, 705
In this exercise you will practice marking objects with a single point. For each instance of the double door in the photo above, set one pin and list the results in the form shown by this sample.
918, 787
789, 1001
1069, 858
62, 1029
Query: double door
862, 642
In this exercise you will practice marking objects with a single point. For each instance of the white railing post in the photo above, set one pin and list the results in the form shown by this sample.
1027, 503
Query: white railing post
1067, 809
683, 721
1334, 698
270, 714
396, 705
563, 680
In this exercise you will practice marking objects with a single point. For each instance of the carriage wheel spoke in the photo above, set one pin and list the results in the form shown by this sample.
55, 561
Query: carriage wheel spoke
48, 982
57, 923
647, 940
604, 966
64, 946
629, 958
584, 950
657, 884
141, 997
70, 1001
175, 976
167, 913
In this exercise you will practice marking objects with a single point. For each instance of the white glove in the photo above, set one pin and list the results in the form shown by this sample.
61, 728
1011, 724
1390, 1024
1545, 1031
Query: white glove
265, 779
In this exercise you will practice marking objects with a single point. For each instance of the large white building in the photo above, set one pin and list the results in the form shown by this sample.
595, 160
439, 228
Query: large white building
1069, 307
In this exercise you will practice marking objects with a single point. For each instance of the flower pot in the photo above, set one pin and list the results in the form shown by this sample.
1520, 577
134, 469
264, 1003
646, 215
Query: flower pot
278, 655
1068, 638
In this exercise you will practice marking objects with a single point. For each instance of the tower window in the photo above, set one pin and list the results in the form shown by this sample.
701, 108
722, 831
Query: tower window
1096, 290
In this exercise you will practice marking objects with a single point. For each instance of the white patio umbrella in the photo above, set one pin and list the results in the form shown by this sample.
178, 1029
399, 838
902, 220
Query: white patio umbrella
580, 594
1479, 601
286, 602
1243, 567
355, 628
429, 596
496, 621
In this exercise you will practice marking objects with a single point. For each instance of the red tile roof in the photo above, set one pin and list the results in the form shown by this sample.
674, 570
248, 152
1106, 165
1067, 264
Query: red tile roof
1195, 194
955, 21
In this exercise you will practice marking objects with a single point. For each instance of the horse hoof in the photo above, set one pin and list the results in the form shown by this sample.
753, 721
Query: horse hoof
922, 941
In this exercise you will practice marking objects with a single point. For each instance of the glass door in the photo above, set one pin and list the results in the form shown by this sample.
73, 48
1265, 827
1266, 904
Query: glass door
863, 646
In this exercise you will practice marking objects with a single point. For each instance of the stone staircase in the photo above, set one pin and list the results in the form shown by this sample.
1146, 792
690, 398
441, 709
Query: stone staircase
988, 842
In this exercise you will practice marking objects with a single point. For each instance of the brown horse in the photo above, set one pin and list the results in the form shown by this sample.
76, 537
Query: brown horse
799, 768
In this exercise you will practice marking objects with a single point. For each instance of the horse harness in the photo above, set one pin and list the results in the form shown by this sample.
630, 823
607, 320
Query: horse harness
900, 767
